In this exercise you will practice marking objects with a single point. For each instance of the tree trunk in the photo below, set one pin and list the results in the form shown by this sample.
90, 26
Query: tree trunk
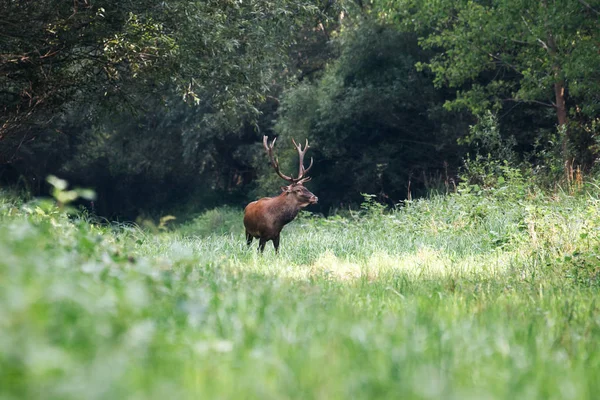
559, 95
561, 109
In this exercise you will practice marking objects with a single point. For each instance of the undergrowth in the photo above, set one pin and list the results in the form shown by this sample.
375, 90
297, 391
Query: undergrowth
488, 293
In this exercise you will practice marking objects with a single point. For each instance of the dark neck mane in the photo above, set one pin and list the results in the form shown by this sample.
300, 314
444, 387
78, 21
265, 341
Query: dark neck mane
285, 211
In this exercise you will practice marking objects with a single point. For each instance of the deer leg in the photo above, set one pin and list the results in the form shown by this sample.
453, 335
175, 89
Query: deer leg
261, 244
248, 238
276, 243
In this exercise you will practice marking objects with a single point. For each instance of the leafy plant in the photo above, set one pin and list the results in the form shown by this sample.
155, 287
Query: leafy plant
63, 196
453, 287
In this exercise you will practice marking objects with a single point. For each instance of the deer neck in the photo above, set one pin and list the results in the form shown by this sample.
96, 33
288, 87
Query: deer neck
286, 209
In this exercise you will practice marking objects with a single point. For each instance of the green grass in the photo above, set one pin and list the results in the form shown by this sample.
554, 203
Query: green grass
487, 295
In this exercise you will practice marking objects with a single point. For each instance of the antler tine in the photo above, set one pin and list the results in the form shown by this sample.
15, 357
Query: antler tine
309, 167
303, 180
274, 161
301, 171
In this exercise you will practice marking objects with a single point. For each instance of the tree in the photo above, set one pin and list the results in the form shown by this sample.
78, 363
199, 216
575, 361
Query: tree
375, 123
55, 54
222, 54
151, 104
505, 51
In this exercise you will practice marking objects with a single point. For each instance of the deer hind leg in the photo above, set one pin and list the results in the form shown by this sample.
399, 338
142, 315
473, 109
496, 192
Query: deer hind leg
248, 238
276, 243
261, 244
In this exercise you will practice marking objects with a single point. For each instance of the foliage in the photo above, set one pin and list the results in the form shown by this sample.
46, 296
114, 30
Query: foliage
509, 34
68, 67
505, 51
61, 53
160, 107
152, 161
486, 139
64, 196
456, 296
375, 123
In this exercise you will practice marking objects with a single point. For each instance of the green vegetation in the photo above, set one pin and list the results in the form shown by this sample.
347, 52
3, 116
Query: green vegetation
373, 119
491, 292
502, 53
121, 96
485, 286
162, 106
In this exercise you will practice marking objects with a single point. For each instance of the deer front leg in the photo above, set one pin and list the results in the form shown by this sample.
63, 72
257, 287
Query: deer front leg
248, 239
276, 244
261, 244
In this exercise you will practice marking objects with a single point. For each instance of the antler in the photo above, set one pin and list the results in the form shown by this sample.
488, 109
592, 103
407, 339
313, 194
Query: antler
275, 163
301, 171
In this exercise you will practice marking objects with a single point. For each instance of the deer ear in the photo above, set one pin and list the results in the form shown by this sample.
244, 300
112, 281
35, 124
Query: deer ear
285, 189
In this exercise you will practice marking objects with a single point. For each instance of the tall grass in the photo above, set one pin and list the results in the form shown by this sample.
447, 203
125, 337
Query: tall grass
484, 294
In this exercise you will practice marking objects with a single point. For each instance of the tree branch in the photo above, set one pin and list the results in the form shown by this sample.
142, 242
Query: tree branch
589, 7
544, 45
533, 101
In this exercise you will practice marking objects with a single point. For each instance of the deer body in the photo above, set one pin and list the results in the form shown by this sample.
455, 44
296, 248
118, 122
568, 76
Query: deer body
265, 218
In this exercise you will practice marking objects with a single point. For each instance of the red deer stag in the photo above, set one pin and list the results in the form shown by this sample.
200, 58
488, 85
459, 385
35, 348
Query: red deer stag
265, 218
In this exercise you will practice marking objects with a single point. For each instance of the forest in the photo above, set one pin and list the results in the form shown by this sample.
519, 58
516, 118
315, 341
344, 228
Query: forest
161, 108
453, 147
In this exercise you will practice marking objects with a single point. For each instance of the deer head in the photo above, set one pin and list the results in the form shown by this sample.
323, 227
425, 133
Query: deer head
296, 188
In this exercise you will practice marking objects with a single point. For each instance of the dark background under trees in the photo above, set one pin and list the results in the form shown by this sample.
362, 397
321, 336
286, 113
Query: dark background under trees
161, 107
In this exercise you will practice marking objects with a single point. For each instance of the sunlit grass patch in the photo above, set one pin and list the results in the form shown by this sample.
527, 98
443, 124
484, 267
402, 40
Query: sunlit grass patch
424, 263
331, 267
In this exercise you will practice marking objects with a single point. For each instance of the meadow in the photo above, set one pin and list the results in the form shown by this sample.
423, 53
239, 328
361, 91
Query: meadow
483, 294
